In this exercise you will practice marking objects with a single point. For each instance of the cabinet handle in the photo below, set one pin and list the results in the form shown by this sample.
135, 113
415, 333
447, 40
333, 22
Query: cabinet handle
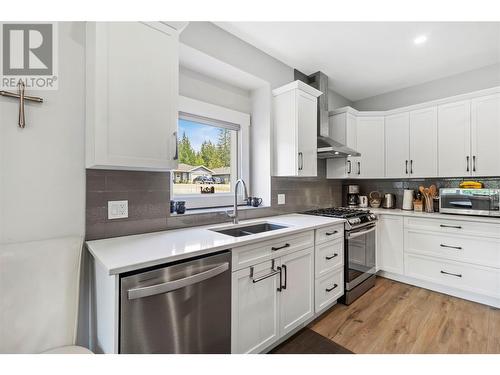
468, 157
349, 164
450, 226
359, 167
286, 277
473, 163
301, 161
331, 233
451, 274
328, 257
176, 156
281, 277
281, 247
451, 247
332, 288
411, 166
406, 166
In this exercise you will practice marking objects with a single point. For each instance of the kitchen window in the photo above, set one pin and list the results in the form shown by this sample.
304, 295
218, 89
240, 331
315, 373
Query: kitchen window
213, 154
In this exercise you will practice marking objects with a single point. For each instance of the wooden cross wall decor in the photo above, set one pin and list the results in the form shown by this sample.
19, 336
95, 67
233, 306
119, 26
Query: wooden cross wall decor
22, 98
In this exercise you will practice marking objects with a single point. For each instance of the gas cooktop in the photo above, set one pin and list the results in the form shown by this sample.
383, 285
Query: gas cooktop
355, 217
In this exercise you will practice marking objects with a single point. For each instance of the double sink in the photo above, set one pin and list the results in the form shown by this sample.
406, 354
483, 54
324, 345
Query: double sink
249, 230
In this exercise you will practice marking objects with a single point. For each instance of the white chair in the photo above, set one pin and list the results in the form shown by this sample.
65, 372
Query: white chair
39, 291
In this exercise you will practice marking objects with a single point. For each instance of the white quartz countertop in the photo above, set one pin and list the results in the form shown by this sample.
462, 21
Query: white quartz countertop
129, 253
435, 215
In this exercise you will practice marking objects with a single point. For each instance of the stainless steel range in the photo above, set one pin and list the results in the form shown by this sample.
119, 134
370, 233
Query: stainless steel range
359, 249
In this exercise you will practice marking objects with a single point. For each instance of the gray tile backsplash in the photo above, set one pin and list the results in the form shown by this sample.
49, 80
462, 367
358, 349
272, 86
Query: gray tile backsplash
148, 195
396, 186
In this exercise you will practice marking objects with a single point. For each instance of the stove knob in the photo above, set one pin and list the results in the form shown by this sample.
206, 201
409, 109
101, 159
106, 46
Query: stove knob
373, 217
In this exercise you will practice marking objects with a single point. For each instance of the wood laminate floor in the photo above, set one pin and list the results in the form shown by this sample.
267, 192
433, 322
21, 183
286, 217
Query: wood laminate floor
394, 317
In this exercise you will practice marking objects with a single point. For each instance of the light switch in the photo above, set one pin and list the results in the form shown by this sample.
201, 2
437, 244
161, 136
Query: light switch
117, 209
281, 198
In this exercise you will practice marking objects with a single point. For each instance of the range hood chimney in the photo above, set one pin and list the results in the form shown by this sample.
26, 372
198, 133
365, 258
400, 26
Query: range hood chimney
327, 147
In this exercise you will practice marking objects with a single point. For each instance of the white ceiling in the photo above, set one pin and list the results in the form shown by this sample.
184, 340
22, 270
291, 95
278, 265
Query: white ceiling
364, 59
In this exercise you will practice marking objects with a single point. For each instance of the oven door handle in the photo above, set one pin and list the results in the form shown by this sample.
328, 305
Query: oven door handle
351, 235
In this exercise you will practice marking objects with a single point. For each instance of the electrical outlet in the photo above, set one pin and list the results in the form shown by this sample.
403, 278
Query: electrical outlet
281, 198
117, 209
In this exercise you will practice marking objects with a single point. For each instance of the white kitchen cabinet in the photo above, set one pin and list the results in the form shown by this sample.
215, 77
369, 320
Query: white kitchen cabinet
424, 142
255, 309
485, 121
390, 244
370, 143
454, 139
297, 296
265, 309
295, 130
131, 95
397, 145
342, 128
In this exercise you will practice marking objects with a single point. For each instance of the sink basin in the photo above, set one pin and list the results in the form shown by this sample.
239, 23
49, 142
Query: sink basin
248, 230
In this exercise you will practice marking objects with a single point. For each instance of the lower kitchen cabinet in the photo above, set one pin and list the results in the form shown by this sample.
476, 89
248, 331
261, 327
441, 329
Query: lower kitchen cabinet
271, 299
390, 256
328, 289
297, 295
255, 308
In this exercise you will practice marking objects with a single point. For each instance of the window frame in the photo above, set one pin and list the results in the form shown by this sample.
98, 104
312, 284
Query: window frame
240, 153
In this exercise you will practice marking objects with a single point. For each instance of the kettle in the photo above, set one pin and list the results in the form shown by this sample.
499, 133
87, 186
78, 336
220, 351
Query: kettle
389, 201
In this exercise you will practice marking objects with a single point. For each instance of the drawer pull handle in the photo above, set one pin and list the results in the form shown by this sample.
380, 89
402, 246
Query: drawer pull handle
332, 288
451, 274
281, 247
328, 257
331, 233
451, 247
450, 226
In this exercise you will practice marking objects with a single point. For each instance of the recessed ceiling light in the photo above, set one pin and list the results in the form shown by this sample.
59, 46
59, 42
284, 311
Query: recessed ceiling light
336, 152
421, 39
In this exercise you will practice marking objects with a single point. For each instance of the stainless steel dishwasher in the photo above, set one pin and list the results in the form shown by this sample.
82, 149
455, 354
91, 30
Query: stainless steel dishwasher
182, 307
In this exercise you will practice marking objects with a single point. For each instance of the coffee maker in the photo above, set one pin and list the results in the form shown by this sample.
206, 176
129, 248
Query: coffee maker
352, 195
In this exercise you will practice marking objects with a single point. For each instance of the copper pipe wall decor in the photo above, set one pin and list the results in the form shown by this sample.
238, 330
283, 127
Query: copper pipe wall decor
22, 98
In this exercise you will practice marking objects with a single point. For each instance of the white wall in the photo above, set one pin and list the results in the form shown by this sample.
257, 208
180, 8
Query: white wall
336, 100
42, 173
207, 89
473, 80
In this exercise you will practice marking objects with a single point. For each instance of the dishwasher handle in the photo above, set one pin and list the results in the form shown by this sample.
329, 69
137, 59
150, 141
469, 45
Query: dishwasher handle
170, 286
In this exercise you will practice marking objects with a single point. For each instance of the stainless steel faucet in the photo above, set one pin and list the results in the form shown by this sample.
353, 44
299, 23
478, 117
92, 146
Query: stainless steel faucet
234, 215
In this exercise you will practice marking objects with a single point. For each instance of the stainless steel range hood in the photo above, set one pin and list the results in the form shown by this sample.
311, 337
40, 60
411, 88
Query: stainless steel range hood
327, 147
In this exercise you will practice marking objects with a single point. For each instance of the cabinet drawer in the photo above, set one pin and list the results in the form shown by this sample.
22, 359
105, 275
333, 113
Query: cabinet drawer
477, 250
329, 233
454, 226
251, 254
468, 277
329, 255
329, 288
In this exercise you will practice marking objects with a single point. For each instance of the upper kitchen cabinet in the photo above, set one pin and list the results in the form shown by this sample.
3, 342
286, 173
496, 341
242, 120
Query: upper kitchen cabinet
370, 144
397, 145
295, 130
132, 90
485, 135
454, 130
424, 142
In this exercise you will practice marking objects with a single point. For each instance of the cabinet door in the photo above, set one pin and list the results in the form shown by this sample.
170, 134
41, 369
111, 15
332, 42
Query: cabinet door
370, 143
132, 90
423, 143
397, 145
454, 130
297, 296
343, 128
338, 168
390, 244
307, 134
254, 318
486, 136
